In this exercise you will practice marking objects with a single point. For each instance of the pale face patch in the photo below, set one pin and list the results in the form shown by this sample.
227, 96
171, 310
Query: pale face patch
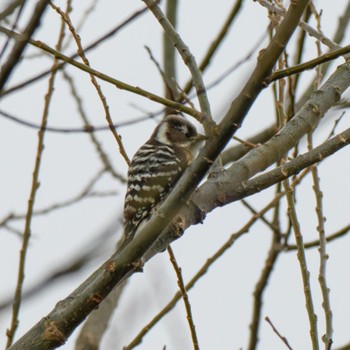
161, 135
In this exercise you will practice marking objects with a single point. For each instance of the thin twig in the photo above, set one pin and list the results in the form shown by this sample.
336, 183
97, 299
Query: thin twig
31, 201
190, 62
90, 128
316, 243
85, 193
182, 287
83, 19
271, 259
283, 338
332, 55
184, 96
303, 265
98, 146
339, 36
21, 4
311, 31
245, 142
275, 245
10, 9
91, 46
168, 88
327, 338
254, 212
119, 84
336, 122
67, 20
169, 51
216, 42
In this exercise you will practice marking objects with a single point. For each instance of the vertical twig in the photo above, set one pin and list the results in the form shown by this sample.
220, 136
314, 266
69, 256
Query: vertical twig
260, 288
327, 338
190, 62
169, 59
31, 201
338, 38
216, 42
182, 287
303, 265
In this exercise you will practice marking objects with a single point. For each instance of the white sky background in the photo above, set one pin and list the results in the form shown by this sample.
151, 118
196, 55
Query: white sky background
221, 301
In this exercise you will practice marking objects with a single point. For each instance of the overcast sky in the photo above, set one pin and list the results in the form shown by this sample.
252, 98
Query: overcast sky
222, 300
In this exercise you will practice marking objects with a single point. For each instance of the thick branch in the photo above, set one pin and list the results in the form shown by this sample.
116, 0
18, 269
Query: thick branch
236, 152
223, 189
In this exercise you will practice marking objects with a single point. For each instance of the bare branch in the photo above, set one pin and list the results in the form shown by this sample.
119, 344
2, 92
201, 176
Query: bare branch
35, 179
66, 19
89, 47
284, 339
190, 62
20, 45
180, 282
303, 265
314, 244
119, 84
279, 74
311, 31
216, 42
169, 58
274, 252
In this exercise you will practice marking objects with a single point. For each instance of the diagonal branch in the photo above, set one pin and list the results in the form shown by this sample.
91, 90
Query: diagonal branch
332, 55
20, 45
119, 84
89, 47
218, 191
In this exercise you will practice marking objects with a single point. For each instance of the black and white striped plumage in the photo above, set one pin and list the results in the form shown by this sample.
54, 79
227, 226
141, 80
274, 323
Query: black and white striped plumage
155, 169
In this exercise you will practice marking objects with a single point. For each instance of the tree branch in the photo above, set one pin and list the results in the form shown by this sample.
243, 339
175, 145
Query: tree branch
119, 84
91, 46
20, 45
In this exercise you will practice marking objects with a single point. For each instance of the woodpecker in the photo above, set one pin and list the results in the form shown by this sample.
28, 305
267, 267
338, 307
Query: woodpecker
155, 169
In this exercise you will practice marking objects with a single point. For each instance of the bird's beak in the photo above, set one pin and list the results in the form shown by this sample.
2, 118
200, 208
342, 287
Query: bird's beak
199, 138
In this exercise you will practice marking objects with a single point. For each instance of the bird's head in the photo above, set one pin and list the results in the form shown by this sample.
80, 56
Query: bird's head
176, 130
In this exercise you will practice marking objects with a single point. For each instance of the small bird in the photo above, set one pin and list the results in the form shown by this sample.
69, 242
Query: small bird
155, 169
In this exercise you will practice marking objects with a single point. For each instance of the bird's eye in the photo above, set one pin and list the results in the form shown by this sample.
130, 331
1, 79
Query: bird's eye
182, 128
190, 132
